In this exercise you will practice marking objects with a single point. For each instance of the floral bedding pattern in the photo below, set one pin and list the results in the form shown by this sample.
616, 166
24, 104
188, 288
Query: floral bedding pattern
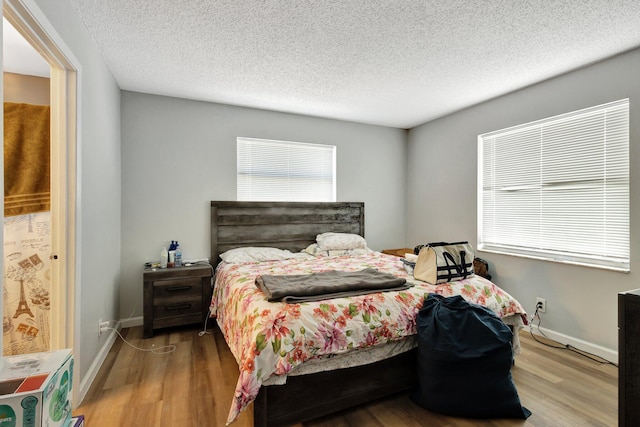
271, 338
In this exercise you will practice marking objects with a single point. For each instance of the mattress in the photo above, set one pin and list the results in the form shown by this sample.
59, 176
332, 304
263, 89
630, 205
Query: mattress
272, 340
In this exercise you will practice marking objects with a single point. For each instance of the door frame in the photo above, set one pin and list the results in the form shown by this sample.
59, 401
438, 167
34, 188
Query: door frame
32, 24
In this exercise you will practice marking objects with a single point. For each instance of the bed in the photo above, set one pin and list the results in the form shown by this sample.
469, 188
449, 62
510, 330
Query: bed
289, 377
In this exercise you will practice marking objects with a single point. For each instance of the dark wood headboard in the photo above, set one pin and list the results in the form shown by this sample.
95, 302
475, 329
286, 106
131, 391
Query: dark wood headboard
284, 225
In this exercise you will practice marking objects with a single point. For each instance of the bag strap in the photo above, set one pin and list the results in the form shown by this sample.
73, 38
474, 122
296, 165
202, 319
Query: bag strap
416, 249
448, 257
461, 269
463, 264
447, 243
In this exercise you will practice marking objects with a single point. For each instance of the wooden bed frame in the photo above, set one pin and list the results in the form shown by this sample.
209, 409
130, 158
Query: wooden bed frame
294, 226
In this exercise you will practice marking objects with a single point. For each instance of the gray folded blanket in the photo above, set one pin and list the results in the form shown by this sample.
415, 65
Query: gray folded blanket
329, 284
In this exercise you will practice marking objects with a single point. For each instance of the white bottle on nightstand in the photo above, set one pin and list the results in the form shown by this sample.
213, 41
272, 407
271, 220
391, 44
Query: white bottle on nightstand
164, 257
178, 255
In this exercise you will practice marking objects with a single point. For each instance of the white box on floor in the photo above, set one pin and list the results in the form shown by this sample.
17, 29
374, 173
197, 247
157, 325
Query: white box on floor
35, 389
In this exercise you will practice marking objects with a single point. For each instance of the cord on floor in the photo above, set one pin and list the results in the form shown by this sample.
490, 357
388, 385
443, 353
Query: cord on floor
165, 349
561, 346
204, 331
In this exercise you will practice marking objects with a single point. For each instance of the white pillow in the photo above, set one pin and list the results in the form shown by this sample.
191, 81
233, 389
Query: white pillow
315, 250
333, 241
257, 254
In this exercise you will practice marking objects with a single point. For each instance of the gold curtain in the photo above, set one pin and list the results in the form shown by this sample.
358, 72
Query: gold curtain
26, 158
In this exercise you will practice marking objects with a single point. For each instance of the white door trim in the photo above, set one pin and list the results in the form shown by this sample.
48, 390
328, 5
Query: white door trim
31, 22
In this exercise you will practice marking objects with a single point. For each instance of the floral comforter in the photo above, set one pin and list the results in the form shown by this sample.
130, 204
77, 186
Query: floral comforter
272, 338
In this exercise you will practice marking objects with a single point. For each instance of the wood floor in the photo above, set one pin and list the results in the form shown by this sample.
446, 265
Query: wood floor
193, 386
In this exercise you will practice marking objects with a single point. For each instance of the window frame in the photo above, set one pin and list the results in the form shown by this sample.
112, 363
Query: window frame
617, 263
276, 169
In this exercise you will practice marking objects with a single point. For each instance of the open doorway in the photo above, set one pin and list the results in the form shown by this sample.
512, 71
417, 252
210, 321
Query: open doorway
27, 203
33, 26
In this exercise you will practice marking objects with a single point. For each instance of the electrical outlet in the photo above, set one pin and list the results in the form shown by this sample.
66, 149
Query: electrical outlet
102, 326
541, 305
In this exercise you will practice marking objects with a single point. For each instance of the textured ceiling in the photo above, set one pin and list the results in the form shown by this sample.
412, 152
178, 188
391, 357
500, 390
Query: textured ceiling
393, 63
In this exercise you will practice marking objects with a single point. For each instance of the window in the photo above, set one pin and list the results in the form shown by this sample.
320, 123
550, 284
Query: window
558, 188
285, 171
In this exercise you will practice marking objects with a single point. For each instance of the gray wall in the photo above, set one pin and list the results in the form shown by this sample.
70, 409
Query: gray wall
98, 191
178, 155
441, 172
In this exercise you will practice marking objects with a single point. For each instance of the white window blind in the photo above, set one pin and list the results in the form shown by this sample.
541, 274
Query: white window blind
285, 171
558, 188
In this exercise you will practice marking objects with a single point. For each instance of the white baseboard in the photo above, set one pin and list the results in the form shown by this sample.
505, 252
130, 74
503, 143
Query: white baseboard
96, 365
131, 322
102, 355
586, 346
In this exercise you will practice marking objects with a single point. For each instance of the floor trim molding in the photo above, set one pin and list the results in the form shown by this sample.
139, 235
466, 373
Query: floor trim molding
131, 322
86, 382
589, 347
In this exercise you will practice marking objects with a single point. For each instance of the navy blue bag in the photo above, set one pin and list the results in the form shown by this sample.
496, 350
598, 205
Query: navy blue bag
464, 361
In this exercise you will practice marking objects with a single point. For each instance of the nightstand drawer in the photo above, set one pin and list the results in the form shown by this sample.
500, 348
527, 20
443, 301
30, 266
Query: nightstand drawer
176, 296
180, 287
177, 307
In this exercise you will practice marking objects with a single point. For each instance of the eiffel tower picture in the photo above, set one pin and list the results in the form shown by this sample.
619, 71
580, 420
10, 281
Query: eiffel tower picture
23, 307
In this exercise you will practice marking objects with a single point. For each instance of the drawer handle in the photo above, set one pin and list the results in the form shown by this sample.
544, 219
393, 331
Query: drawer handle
177, 307
178, 288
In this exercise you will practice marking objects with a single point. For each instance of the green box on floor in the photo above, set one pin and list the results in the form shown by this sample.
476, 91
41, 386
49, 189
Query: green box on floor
35, 389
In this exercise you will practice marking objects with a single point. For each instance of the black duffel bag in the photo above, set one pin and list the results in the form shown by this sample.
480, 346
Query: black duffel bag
464, 361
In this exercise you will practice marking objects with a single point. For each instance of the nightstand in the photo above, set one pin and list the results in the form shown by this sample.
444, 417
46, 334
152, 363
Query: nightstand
398, 252
176, 296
